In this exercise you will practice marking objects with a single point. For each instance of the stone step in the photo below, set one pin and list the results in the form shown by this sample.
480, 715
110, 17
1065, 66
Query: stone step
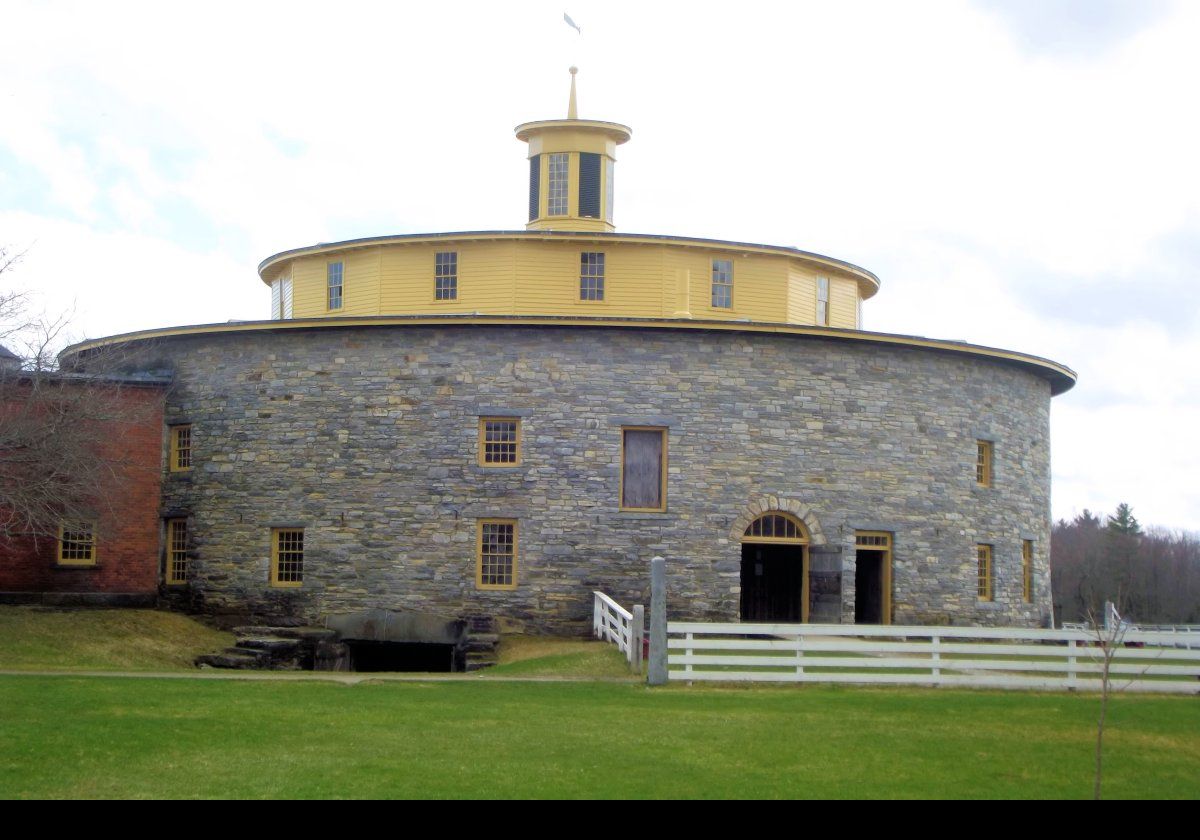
230, 658
473, 664
273, 644
311, 634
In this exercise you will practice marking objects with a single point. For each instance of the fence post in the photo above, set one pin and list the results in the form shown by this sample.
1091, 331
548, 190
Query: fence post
657, 672
935, 656
596, 615
639, 636
1072, 674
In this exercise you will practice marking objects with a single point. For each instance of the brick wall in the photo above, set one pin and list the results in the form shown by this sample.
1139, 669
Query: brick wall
127, 531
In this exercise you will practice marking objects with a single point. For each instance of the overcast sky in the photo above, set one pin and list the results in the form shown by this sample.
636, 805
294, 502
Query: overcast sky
1019, 174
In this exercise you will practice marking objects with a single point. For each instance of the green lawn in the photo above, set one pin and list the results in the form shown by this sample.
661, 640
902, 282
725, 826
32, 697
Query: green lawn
112, 737
40, 638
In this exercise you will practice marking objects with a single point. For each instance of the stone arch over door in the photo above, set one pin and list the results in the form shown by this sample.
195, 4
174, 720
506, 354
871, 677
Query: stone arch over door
822, 561
768, 504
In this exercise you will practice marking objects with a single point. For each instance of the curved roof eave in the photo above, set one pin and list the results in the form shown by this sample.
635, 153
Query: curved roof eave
591, 236
1060, 377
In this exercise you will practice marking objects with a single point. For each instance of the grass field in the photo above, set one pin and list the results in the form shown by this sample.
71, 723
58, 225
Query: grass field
143, 738
480, 736
40, 638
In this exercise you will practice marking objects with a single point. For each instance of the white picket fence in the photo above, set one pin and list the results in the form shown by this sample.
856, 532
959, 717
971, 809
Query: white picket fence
613, 623
975, 657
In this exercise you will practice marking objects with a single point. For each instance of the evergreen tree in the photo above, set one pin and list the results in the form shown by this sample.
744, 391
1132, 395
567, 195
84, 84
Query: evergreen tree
1124, 522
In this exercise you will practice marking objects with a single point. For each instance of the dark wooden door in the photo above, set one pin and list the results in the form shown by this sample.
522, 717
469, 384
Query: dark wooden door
772, 582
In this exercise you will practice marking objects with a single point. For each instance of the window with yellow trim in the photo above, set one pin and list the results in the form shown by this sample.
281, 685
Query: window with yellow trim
643, 468
496, 554
287, 557
983, 462
445, 275
77, 545
181, 448
985, 579
334, 281
1027, 571
722, 284
177, 559
591, 276
499, 441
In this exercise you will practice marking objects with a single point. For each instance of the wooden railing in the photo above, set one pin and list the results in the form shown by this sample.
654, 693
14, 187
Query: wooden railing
613, 623
983, 657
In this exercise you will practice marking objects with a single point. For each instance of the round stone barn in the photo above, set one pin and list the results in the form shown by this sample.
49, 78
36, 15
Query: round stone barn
498, 423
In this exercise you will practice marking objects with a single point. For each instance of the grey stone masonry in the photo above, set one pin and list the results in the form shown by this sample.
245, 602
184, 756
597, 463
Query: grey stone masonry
367, 438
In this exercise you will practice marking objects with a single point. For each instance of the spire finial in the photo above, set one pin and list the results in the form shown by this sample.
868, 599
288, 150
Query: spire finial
572, 108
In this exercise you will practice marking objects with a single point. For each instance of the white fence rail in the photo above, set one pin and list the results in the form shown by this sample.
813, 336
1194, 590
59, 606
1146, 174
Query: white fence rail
613, 623
980, 657
1184, 635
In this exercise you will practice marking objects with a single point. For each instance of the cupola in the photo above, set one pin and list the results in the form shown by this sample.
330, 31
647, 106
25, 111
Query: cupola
571, 166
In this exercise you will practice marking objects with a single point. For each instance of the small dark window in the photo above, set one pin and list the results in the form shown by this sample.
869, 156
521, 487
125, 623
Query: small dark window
535, 179
589, 185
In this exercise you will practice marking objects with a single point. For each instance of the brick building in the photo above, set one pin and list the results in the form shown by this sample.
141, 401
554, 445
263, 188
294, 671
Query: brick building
112, 427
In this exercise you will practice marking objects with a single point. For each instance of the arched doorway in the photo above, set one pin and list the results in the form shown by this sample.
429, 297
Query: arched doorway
775, 569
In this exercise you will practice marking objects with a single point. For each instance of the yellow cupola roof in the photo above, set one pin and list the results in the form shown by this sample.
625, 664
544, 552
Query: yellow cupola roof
571, 165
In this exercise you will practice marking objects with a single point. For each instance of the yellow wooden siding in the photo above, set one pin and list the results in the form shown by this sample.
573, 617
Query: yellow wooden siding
633, 283
537, 277
485, 272
360, 284
802, 298
308, 287
843, 303
760, 286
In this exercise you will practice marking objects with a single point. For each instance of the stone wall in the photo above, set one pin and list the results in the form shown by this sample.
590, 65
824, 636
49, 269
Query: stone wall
367, 438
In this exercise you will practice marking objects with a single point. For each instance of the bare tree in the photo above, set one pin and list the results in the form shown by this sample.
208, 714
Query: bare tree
1109, 633
64, 434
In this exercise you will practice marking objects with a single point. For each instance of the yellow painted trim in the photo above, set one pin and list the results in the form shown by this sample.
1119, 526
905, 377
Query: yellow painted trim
985, 573
169, 573
868, 283
483, 421
174, 460
662, 493
886, 548
984, 458
91, 560
479, 584
614, 131
1027, 571
276, 533
804, 539
1061, 377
